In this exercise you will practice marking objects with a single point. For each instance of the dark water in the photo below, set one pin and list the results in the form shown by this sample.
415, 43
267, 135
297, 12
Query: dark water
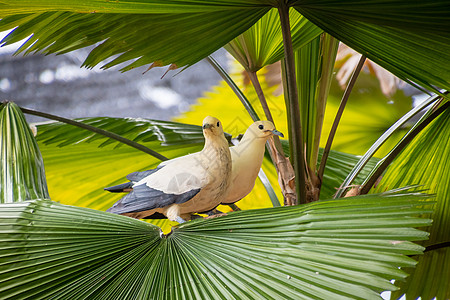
57, 85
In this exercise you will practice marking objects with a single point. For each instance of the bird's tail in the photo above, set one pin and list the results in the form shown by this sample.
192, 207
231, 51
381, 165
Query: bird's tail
121, 188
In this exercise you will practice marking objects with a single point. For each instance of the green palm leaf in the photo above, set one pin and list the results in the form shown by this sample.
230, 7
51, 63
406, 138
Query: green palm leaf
22, 175
367, 116
325, 250
426, 160
262, 44
146, 32
407, 38
314, 67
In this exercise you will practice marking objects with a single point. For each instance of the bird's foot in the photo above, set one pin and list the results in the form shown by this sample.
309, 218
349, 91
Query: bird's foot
194, 217
216, 215
213, 212
180, 220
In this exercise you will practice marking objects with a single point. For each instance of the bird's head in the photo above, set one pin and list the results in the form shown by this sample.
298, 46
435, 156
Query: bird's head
212, 127
262, 129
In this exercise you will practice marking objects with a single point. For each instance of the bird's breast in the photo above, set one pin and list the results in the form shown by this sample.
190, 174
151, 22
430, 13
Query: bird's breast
217, 166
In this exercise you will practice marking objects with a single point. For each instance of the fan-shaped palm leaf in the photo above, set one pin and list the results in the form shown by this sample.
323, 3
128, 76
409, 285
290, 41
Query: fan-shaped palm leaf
325, 250
262, 44
409, 39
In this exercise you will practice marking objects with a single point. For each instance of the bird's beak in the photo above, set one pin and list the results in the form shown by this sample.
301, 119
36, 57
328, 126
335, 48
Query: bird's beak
276, 132
207, 126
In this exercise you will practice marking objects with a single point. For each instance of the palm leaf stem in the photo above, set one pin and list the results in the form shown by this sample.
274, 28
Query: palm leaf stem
275, 149
381, 140
269, 189
96, 130
383, 164
329, 46
262, 99
291, 96
248, 106
339, 113
437, 246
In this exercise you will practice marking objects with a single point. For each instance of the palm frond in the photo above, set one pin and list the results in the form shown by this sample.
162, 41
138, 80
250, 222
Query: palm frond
314, 68
141, 32
327, 250
426, 161
408, 39
22, 175
262, 44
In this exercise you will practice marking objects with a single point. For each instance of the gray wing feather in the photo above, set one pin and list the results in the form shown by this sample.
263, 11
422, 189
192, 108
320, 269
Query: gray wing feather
119, 188
133, 178
144, 198
136, 176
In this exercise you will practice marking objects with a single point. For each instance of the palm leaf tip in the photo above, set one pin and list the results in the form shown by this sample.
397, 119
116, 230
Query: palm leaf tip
22, 175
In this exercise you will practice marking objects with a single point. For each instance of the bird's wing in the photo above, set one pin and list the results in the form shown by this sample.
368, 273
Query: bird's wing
133, 178
179, 176
143, 198
119, 188
174, 183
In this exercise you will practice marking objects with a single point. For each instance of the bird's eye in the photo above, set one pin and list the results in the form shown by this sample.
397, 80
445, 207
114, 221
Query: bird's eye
218, 124
261, 127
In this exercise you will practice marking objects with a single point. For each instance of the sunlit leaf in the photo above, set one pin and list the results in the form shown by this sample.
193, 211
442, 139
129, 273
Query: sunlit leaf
328, 250
426, 161
367, 115
22, 175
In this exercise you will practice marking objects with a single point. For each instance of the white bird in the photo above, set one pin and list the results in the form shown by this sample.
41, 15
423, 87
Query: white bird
247, 158
182, 186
